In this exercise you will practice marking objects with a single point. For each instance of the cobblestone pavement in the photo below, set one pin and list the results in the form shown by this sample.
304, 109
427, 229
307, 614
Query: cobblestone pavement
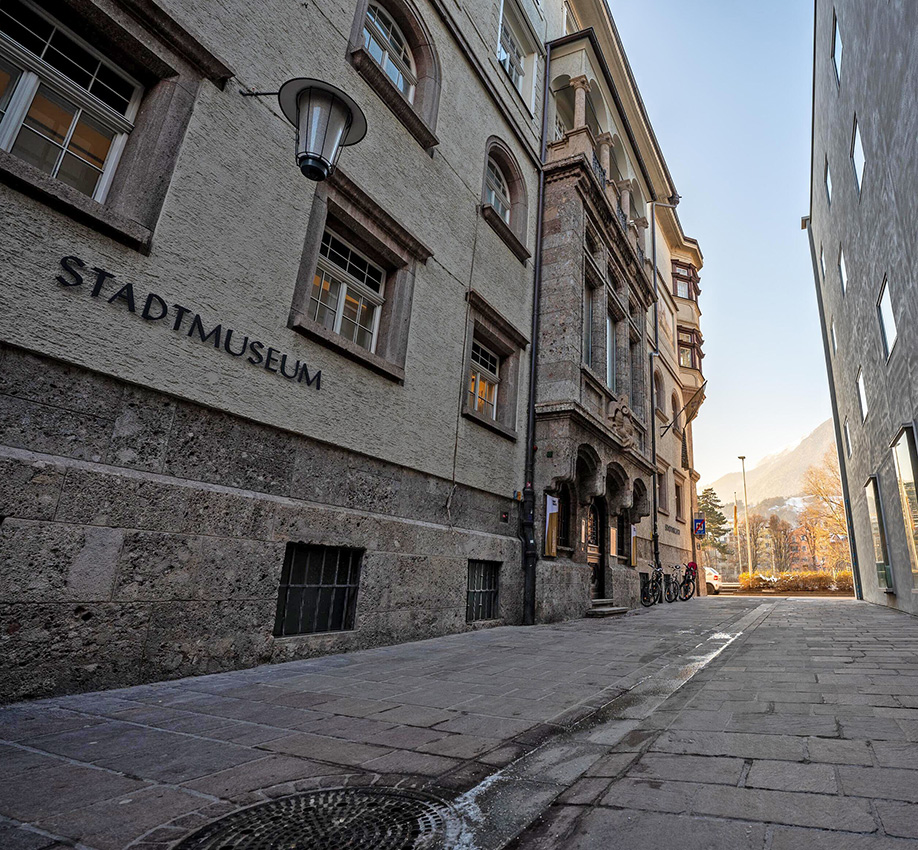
740, 723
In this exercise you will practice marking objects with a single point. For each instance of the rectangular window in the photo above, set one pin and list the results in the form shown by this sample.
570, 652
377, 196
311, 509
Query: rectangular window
834, 338
836, 48
905, 458
623, 537
662, 492
679, 502
347, 292
822, 262
588, 298
689, 355
862, 393
847, 431
484, 380
510, 54
611, 343
887, 319
842, 270
64, 108
878, 530
481, 602
828, 179
318, 590
857, 156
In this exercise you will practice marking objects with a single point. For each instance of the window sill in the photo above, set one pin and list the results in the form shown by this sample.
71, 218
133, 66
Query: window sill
392, 97
34, 183
312, 329
502, 229
491, 424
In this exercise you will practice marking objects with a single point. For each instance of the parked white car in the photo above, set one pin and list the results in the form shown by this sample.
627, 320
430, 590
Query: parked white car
712, 580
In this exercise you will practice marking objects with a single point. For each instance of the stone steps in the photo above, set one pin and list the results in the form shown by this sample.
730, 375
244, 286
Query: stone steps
605, 608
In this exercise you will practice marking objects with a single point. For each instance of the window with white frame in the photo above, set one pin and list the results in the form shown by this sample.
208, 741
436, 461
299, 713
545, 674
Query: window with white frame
611, 353
862, 393
386, 43
857, 156
347, 292
887, 319
484, 380
828, 179
510, 53
842, 270
497, 192
570, 20
64, 108
836, 47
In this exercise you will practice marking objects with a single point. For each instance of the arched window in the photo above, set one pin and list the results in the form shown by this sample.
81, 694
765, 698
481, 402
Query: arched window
675, 408
393, 50
497, 193
503, 197
388, 46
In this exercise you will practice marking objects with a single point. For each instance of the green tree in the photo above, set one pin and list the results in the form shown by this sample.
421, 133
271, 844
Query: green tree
715, 523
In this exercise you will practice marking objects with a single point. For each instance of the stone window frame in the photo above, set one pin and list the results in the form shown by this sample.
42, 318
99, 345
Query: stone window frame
489, 327
679, 502
663, 491
514, 233
171, 64
345, 208
418, 115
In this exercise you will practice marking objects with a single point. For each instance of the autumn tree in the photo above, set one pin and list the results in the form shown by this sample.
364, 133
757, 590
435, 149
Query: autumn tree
757, 538
780, 531
825, 515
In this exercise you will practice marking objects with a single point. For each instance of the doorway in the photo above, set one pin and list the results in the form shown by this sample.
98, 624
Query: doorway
595, 549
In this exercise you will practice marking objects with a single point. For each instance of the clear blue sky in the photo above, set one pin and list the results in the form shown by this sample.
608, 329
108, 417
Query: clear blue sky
727, 85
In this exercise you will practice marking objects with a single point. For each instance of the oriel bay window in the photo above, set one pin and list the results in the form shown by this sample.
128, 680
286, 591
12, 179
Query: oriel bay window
64, 109
347, 292
689, 348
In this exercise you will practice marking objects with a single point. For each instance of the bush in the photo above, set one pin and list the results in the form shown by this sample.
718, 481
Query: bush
798, 581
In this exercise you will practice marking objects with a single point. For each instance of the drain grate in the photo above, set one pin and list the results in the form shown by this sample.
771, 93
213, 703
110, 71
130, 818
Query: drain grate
334, 819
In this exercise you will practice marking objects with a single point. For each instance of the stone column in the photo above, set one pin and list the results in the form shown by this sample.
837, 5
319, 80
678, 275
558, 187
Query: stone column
581, 86
624, 195
604, 143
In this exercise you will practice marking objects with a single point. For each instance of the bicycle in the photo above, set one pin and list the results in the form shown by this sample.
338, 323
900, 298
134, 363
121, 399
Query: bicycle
652, 589
672, 584
689, 580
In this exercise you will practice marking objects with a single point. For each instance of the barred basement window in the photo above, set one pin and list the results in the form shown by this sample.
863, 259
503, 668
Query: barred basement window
318, 590
482, 595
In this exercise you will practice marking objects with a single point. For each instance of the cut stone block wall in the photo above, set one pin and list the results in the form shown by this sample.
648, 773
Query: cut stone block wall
142, 537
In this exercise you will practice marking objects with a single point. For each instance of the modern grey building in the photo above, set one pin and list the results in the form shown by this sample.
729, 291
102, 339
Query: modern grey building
862, 224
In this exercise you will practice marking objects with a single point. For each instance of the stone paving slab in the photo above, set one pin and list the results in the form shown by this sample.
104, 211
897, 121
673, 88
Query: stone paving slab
775, 742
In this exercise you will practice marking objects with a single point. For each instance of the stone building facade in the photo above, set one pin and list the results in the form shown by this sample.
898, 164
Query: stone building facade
597, 400
206, 463
861, 228
245, 417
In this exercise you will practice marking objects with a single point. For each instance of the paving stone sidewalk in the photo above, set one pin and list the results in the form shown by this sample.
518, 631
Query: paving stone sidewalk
801, 732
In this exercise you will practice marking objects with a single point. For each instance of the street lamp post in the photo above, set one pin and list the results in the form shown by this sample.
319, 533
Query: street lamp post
746, 512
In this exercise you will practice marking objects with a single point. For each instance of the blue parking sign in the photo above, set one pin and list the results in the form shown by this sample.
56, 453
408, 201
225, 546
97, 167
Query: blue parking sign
698, 527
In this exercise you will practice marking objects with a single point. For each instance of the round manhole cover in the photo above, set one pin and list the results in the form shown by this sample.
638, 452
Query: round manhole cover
334, 819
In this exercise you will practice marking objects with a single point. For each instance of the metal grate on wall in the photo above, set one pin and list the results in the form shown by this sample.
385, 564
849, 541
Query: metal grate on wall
482, 595
318, 589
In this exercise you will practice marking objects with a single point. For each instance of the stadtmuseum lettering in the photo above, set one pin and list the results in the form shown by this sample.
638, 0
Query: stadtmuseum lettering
154, 308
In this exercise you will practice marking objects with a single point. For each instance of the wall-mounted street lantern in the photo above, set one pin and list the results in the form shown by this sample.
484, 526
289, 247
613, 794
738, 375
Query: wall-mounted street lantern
326, 120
